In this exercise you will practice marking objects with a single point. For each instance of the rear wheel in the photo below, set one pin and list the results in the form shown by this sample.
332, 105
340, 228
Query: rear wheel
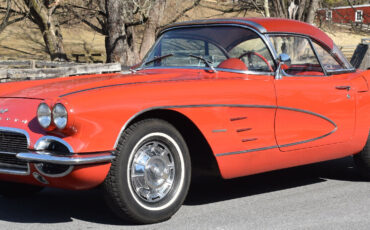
149, 179
11, 189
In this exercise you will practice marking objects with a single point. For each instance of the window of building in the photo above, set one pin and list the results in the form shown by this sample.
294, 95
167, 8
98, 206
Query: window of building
358, 16
329, 15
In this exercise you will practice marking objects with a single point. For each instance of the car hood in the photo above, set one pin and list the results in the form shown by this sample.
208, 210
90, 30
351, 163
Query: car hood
51, 88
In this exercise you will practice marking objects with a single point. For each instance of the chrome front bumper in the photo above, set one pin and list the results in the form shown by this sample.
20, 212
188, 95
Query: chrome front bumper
45, 157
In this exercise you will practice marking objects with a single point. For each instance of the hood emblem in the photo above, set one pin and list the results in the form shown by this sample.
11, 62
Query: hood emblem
2, 111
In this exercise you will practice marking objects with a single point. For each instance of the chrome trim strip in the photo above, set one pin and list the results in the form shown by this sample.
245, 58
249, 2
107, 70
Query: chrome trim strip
7, 153
239, 106
212, 22
250, 72
219, 130
52, 138
62, 160
15, 172
173, 80
238, 118
127, 83
309, 140
7, 165
247, 151
309, 112
15, 130
243, 130
318, 57
249, 139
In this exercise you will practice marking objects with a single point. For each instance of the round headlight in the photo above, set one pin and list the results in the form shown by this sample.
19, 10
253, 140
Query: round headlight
60, 116
44, 115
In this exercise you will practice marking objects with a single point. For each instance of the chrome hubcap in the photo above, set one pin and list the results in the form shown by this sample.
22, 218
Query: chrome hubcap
152, 171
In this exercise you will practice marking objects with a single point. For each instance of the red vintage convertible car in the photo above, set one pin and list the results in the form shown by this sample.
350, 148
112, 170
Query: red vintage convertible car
242, 96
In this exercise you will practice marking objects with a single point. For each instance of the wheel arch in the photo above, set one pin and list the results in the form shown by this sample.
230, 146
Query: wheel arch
203, 160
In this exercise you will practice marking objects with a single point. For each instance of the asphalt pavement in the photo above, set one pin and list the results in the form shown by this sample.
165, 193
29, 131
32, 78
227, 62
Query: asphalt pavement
328, 195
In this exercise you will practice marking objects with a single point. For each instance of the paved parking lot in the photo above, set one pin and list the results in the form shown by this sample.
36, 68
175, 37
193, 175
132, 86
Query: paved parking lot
328, 195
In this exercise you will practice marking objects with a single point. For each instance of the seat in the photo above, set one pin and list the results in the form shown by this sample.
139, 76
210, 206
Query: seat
233, 63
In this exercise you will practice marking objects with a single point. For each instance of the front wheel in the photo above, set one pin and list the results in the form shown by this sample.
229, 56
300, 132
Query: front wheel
149, 179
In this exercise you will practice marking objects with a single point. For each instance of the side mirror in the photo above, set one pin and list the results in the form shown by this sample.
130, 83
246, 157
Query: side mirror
284, 62
284, 58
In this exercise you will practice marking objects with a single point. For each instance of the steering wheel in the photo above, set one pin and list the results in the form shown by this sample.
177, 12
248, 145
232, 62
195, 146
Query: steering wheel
250, 53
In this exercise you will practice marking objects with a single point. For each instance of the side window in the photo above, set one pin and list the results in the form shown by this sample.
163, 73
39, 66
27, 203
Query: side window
328, 61
254, 53
303, 58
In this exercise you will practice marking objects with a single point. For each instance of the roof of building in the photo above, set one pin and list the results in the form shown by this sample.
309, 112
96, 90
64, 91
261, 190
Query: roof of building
345, 7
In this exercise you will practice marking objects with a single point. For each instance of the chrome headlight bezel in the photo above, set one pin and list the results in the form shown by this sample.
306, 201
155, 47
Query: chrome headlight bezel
60, 116
44, 115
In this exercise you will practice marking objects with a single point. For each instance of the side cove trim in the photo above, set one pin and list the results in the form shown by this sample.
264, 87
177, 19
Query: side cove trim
239, 106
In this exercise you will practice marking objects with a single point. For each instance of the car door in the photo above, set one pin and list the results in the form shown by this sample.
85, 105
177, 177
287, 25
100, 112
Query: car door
314, 109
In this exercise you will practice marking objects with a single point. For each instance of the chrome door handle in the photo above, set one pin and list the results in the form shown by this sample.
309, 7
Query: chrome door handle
343, 87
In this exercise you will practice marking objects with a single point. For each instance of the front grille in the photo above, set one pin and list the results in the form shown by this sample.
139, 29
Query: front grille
11, 159
12, 143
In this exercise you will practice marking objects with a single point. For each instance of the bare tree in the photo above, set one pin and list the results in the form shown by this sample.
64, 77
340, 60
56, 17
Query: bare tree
130, 27
40, 12
312, 11
9, 14
303, 10
292, 10
151, 26
302, 5
266, 8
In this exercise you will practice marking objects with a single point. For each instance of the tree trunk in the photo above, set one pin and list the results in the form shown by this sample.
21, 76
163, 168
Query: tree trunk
154, 21
120, 42
280, 10
292, 10
266, 8
284, 8
49, 28
312, 11
301, 10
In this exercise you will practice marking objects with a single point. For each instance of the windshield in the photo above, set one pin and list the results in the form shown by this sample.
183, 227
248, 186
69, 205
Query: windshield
221, 47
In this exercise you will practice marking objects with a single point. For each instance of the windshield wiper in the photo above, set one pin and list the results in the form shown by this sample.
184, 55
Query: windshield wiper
157, 58
205, 62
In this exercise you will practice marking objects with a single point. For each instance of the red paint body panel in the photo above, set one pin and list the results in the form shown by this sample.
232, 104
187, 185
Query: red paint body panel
336, 108
253, 122
81, 178
278, 25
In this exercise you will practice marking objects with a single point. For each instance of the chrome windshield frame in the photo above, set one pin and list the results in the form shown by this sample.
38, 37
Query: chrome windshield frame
260, 35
